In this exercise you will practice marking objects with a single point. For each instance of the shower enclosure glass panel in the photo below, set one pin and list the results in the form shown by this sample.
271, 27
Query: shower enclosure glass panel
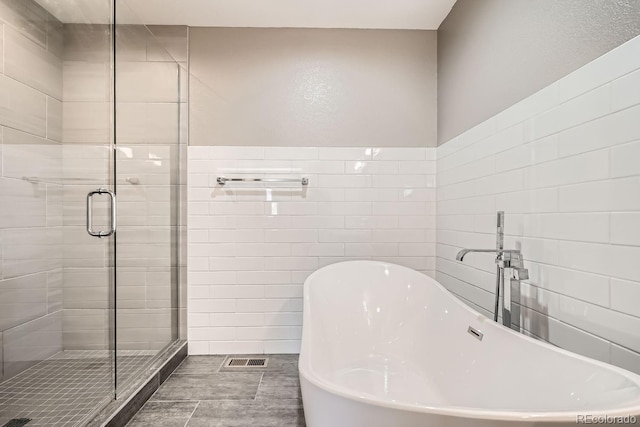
148, 101
56, 281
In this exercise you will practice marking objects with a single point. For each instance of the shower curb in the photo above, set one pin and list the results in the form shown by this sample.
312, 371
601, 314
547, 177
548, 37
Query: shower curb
119, 412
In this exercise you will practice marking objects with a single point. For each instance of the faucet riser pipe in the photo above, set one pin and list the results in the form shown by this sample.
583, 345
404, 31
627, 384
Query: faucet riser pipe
499, 274
499, 270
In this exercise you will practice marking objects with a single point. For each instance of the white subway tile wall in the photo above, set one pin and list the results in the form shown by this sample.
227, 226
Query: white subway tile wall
251, 246
564, 166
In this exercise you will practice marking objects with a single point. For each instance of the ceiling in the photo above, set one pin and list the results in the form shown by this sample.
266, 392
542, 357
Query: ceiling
392, 14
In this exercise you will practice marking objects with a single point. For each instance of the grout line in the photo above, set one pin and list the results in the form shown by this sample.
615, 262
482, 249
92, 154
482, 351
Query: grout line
194, 411
207, 400
4, 45
259, 384
550, 239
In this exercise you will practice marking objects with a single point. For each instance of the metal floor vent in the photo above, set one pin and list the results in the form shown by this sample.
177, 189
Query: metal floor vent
17, 422
236, 362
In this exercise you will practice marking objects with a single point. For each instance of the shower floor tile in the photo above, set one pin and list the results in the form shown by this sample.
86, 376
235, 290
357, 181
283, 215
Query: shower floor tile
67, 388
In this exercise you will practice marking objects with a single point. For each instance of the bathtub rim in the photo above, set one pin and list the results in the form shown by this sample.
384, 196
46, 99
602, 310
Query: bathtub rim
307, 373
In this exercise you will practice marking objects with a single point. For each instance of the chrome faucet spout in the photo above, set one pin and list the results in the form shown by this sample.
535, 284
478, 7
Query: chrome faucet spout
460, 256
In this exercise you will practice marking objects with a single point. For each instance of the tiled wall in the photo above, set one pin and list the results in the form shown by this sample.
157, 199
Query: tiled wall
251, 247
87, 134
149, 66
151, 96
30, 190
563, 165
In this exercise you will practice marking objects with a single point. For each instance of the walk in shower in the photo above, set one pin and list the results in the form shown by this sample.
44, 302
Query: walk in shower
91, 107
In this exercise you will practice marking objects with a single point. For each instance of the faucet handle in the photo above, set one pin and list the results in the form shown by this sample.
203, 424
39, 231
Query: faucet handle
520, 274
510, 259
513, 260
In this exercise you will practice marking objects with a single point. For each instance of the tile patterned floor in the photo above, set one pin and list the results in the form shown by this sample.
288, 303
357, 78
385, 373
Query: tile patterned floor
203, 393
65, 389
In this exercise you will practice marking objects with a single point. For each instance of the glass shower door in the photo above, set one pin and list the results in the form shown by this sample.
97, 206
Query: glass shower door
57, 269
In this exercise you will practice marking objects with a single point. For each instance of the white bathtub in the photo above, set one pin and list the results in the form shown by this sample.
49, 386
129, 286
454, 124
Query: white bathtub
386, 346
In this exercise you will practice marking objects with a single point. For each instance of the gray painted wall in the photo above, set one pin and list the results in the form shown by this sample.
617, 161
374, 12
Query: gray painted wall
312, 87
494, 53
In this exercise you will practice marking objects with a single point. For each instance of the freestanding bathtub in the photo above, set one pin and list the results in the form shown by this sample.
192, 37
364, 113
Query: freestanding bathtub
387, 346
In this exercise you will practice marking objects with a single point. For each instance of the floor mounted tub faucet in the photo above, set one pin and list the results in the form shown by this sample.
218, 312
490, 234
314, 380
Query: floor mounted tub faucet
506, 259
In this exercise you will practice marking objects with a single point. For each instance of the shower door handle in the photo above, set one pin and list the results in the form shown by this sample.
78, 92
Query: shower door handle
112, 197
